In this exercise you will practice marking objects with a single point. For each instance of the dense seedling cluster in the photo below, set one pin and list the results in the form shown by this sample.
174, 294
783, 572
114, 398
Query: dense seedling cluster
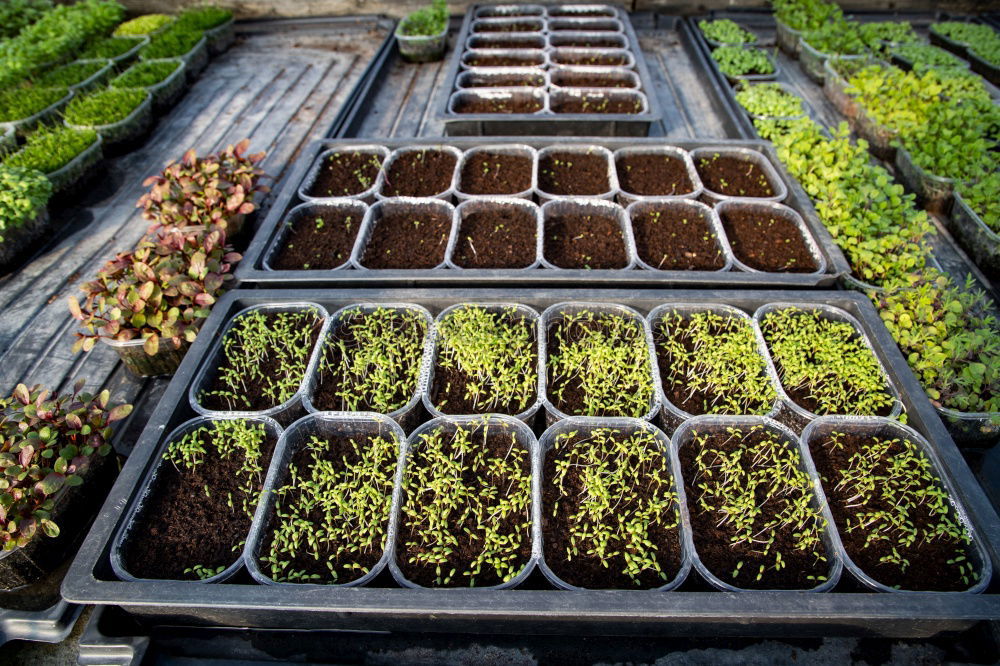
737, 61
714, 358
427, 21
838, 36
143, 25
69, 75
15, 15
981, 197
371, 360
23, 196
175, 41
921, 56
769, 99
805, 15
466, 509
49, 149
598, 365
614, 496
103, 107
495, 353
333, 511
876, 34
725, 31
145, 74
109, 48
22, 103
825, 363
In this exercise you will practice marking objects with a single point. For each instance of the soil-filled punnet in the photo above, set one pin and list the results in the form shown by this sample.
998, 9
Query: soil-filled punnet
653, 175
589, 239
734, 176
408, 236
319, 238
419, 173
197, 515
767, 242
465, 519
574, 174
754, 518
589, 57
344, 174
487, 362
496, 236
490, 172
676, 237
502, 103
609, 510
596, 102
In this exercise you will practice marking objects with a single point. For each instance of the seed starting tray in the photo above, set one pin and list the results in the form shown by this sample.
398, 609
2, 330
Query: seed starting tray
548, 45
254, 269
694, 608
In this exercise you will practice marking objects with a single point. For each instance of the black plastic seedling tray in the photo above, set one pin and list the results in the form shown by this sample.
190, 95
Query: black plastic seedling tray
536, 608
252, 269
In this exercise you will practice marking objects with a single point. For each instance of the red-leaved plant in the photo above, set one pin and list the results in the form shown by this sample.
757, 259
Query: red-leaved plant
163, 289
46, 443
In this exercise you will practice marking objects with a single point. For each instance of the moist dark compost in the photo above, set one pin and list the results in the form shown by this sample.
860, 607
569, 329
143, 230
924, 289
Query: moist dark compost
734, 176
591, 42
573, 174
586, 80
320, 238
508, 104
346, 174
595, 103
503, 26
505, 81
496, 173
486, 42
408, 237
676, 238
768, 243
496, 237
590, 58
582, 240
653, 175
421, 173
496, 60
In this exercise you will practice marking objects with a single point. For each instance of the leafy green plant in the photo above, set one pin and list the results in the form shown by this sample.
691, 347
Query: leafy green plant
162, 289
988, 51
109, 48
204, 18
144, 25
427, 21
825, 363
725, 31
15, 15
49, 149
69, 75
970, 34
598, 365
333, 510
738, 61
23, 102
145, 74
104, 107
47, 442
806, 14
925, 55
769, 99
174, 42
23, 195
839, 36
893, 32
980, 195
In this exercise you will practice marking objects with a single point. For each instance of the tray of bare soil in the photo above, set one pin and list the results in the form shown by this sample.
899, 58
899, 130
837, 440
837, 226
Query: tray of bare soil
615, 360
492, 242
769, 237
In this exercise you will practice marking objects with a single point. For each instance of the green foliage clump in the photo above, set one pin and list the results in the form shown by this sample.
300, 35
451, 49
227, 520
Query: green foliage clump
725, 31
49, 149
204, 18
24, 102
69, 75
806, 15
981, 196
893, 32
334, 510
770, 100
925, 55
143, 25
426, 21
174, 42
103, 107
970, 34
109, 48
145, 74
23, 195
841, 37
15, 15
738, 61
988, 51
827, 362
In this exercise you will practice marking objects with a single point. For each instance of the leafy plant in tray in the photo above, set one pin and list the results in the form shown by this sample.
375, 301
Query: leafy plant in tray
204, 18
736, 61
70, 75
24, 194
770, 100
110, 48
174, 42
15, 15
422, 35
23, 102
49, 149
104, 107
145, 74
923, 55
726, 31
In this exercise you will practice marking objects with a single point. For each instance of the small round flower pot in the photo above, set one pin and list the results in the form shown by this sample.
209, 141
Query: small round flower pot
421, 48
163, 363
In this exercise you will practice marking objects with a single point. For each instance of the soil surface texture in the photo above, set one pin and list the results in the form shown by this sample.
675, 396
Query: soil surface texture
653, 175
524, 26
320, 238
676, 238
597, 26
180, 526
584, 240
595, 42
573, 174
421, 173
586, 80
507, 81
526, 59
496, 237
712, 541
508, 104
408, 237
346, 174
589, 572
733, 176
767, 242
592, 58
496, 173
928, 569
487, 42
595, 103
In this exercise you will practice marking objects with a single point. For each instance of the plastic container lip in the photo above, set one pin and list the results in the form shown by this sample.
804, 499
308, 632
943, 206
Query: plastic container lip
528, 314
585, 24
141, 40
307, 183
178, 72
287, 446
578, 149
106, 67
404, 150
526, 437
273, 429
303, 209
554, 312
821, 424
536, 58
830, 539
747, 154
513, 93
214, 356
488, 41
589, 423
573, 39
510, 11
610, 72
312, 378
687, 309
706, 212
521, 149
484, 202
610, 93
777, 210
477, 78
560, 55
836, 314
668, 151
481, 26
364, 234
599, 206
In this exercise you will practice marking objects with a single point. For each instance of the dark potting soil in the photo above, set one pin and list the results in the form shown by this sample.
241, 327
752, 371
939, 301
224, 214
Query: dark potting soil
584, 241
573, 174
507, 81
340, 453
587, 27
421, 173
579, 12
595, 103
496, 237
346, 174
523, 26
498, 444
733, 176
653, 175
928, 569
408, 237
610, 59
253, 391
676, 238
713, 541
449, 383
585, 80
508, 104
495, 60
767, 243
180, 526
487, 42
496, 173
590, 572
320, 238
595, 42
